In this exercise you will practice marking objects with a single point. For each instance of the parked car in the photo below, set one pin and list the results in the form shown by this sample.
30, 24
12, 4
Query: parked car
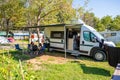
3, 40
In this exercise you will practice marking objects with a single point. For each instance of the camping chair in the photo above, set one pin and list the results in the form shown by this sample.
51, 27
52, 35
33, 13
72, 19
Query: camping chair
28, 48
34, 49
17, 47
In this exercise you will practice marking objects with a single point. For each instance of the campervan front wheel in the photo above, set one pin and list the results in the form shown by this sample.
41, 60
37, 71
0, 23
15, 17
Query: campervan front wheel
99, 55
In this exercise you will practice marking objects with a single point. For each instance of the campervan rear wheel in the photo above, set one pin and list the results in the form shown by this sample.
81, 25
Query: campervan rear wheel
99, 55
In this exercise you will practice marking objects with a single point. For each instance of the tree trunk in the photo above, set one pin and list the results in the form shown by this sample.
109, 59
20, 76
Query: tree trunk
38, 35
29, 24
30, 36
7, 25
38, 31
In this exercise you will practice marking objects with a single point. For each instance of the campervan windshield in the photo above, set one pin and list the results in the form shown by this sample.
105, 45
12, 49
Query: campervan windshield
98, 35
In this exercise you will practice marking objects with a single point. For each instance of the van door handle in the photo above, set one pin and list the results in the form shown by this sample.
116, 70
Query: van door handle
82, 42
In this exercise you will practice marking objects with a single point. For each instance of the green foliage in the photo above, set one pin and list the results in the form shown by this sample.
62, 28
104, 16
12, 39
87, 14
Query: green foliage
100, 26
49, 11
9, 70
118, 44
18, 13
88, 18
66, 13
116, 23
95, 22
11, 12
14, 67
106, 21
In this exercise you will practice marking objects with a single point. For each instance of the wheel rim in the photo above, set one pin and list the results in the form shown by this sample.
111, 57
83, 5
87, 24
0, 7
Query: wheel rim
99, 56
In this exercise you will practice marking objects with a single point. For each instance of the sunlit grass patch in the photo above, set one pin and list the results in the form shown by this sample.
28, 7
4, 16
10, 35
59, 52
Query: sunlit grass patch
42, 68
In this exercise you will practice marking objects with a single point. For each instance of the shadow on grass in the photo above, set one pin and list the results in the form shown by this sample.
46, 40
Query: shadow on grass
26, 56
18, 55
68, 55
94, 70
60, 54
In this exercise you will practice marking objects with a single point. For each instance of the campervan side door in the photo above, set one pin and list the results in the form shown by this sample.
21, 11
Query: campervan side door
87, 41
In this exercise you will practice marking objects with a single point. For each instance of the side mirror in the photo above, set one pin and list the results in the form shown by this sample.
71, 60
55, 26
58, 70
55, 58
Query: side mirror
102, 41
94, 39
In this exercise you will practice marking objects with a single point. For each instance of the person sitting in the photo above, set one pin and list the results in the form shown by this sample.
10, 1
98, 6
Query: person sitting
78, 41
41, 48
30, 46
42, 40
33, 48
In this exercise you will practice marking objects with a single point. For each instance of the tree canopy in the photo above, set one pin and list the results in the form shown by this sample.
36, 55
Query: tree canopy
19, 13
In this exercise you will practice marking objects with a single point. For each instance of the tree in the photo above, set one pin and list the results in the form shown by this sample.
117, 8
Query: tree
96, 21
66, 12
49, 11
82, 12
106, 21
88, 18
115, 25
11, 12
100, 26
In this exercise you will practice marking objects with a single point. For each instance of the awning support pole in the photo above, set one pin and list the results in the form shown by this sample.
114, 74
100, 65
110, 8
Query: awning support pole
65, 40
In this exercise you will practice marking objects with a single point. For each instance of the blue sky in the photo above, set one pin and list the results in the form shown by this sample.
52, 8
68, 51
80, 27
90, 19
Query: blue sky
101, 7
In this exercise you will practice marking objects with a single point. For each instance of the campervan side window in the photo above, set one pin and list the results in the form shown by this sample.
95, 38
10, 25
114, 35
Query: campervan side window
57, 34
88, 36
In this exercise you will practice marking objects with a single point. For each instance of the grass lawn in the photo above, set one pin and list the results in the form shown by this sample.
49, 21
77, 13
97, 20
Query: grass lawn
51, 66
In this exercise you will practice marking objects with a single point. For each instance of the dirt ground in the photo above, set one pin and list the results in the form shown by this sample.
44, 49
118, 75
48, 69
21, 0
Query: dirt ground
57, 58
53, 58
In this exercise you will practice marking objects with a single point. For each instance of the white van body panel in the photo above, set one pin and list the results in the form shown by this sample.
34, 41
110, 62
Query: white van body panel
55, 42
87, 46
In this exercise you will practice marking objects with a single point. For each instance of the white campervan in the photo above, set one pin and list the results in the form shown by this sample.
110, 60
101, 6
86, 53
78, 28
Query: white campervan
78, 39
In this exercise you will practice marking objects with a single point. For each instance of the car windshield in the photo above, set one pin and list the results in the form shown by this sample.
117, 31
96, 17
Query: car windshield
98, 35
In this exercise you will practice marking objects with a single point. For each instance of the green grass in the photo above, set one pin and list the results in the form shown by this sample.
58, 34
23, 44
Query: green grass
118, 44
83, 68
73, 71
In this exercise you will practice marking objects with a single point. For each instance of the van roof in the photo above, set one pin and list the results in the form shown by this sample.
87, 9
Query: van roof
89, 27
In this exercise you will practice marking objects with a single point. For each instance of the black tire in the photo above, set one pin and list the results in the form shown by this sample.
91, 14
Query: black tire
99, 55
